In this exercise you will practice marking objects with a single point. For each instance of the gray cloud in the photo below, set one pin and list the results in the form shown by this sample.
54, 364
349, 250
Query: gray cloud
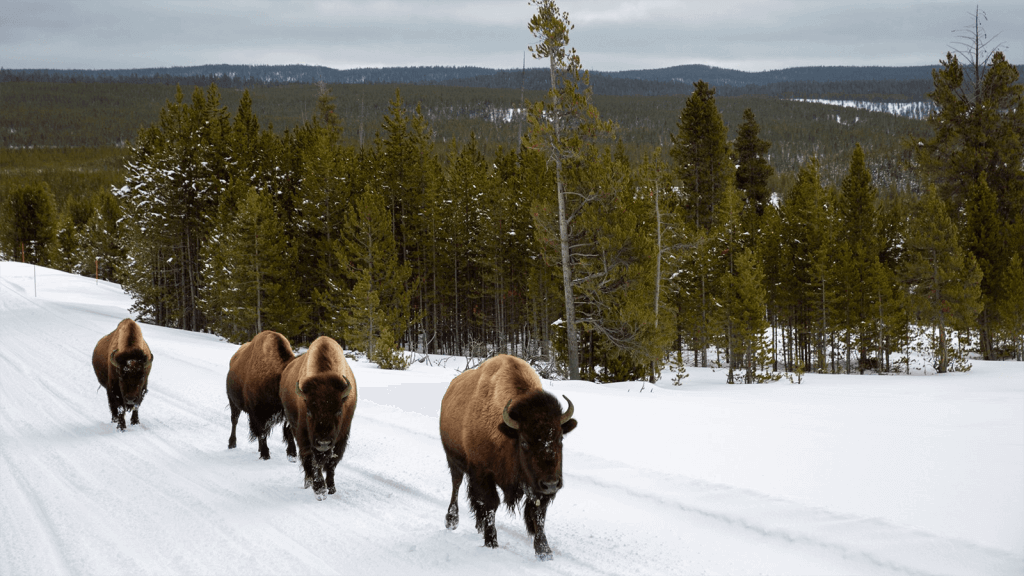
609, 35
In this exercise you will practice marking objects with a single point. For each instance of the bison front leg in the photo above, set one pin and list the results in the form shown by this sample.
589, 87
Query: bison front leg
264, 449
332, 463
116, 406
313, 468
135, 415
483, 499
534, 513
116, 411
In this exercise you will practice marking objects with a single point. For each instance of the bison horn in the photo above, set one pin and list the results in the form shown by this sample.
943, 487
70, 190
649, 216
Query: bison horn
568, 411
508, 419
299, 390
114, 362
348, 387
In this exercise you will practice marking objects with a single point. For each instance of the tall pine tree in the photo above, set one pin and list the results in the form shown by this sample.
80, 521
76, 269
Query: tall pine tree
701, 155
944, 280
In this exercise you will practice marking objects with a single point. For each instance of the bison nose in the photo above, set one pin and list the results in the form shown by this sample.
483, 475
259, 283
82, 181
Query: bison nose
323, 445
550, 486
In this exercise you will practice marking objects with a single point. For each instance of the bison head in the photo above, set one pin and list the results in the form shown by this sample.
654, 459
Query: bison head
132, 367
324, 395
537, 424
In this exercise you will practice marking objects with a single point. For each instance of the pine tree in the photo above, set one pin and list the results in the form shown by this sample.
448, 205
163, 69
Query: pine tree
744, 303
858, 278
404, 170
176, 173
734, 320
753, 169
701, 153
71, 251
979, 131
249, 278
362, 326
1011, 308
372, 256
102, 236
558, 129
807, 235
990, 240
29, 224
772, 250
944, 279
692, 284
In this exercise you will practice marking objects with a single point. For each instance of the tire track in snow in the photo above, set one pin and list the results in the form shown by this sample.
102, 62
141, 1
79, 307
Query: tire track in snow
33, 531
881, 544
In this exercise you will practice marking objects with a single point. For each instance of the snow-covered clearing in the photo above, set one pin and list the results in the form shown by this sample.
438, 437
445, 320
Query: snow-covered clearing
915, 110
838, 475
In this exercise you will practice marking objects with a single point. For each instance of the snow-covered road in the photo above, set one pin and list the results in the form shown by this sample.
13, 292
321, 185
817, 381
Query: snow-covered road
840, 475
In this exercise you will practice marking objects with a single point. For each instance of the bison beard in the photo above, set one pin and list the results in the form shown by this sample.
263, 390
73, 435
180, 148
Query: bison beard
519, 451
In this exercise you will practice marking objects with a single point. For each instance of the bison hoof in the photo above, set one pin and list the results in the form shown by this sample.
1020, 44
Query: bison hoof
292, 458
331, 490
264, 455
231, 444
451, 522
307, 483
135, 419
545, 556
321, 495
491, 543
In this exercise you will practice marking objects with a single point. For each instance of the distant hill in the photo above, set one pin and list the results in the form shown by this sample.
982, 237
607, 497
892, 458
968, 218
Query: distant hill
872, 83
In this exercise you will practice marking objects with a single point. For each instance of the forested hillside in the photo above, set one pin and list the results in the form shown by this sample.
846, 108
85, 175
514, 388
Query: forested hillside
893, 84
597, 235
99, 114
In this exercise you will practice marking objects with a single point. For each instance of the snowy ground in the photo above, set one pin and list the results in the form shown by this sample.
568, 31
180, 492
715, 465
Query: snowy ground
839, 475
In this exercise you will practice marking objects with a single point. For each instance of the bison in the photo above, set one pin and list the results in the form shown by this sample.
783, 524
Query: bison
122, 361
501, 429
318, 392
253, 385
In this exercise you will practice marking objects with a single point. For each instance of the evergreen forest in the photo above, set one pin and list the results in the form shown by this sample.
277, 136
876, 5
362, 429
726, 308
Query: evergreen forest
599, 233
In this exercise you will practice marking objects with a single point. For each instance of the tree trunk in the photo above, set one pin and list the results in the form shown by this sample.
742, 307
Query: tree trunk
571, 338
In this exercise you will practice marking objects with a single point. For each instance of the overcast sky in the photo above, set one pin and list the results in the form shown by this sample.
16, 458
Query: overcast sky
748, 35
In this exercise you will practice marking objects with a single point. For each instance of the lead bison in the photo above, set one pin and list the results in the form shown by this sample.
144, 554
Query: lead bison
122, 361
318, 392
499, 428
253, 386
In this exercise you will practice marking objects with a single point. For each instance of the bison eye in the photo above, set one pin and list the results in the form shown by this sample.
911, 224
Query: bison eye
309, 414
524, 444
338, 414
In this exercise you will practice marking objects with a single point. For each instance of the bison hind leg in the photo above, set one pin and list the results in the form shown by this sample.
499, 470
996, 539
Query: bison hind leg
259, 429
235, 412
458, 471
484, 501
289, 439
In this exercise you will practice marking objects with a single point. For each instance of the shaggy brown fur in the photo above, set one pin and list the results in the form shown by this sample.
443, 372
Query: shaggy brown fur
253, 386
122, 361
522, 461
318, 392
